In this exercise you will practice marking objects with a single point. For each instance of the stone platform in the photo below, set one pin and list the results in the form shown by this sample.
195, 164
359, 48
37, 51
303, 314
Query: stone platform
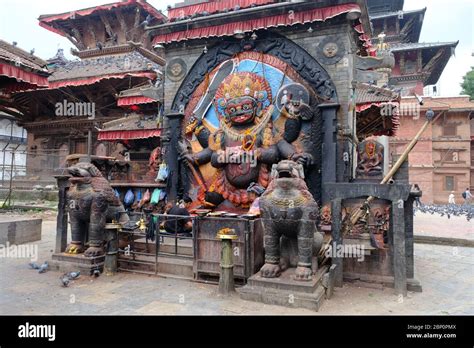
285, 291
19, 230
76, 262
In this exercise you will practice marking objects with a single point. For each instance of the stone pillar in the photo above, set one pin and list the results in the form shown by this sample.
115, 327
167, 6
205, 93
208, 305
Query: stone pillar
111, 252
399, 261
329, 145
61, 219
336, 216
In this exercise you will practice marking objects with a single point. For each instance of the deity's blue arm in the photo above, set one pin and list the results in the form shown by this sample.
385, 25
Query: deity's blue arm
218, 159
202, 157
268, 155
285, 149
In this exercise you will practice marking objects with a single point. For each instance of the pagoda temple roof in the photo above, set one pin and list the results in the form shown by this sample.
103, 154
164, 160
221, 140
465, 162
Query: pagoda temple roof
411, 23
367, 93
370, 100
21, 58
380, 6
407, 46
19, 71
132, 121
397, 13
435, 56
264, 16
92, 70
193, 9
131, 127
140, 95
62, 18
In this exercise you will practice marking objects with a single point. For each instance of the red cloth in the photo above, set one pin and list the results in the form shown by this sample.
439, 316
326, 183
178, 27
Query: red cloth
128, 134
87, 11
213, 7
92, 80
22, 75
365, 106
320, 14
126, 101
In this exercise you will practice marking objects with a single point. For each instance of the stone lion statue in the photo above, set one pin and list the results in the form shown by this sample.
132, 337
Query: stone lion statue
289, 214
91, 202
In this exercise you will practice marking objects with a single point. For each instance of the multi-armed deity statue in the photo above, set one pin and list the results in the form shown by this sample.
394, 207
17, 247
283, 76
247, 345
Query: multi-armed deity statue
257, 129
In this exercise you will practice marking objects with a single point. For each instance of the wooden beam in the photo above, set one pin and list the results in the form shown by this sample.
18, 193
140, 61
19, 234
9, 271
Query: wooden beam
136, 23
77, 34
11, 112
123, 24
108, 27
432, 62
91, 30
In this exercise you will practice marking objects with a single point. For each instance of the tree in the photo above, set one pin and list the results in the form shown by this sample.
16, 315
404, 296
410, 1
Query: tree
468, 84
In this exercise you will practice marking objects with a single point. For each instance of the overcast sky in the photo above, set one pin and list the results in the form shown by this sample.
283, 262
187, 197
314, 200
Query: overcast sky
444, 21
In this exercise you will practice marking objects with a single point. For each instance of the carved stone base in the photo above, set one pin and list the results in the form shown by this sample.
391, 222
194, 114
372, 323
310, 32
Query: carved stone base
76, 262
285, 291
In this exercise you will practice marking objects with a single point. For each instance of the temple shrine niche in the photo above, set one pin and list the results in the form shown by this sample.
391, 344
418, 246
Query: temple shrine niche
370, 160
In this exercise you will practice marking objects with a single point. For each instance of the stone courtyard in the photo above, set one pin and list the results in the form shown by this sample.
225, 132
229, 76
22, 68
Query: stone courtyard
445, 272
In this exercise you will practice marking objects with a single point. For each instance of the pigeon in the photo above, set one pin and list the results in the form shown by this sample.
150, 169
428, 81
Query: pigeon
95, 273
99, 45
33, 265
147, 21
44, 267
32, 51
446, 210
65, 281
73, 275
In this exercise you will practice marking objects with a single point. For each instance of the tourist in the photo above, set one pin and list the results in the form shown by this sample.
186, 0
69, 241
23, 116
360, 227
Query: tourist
467, 195
451, 200
255, 191
416, 188
181, 226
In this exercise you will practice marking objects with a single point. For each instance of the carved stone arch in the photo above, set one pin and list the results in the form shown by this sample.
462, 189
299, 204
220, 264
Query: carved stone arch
270, 43
316, 133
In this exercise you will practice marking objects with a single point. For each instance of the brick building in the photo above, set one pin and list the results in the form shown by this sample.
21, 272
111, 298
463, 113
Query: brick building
443, 159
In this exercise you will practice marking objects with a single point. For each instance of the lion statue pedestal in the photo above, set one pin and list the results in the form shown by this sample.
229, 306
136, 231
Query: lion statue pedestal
290, 276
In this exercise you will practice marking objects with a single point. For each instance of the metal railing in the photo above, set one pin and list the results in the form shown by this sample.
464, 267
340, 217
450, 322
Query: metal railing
156, 235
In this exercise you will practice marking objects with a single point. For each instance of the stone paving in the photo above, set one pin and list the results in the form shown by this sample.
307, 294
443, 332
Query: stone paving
446, 274
440, 226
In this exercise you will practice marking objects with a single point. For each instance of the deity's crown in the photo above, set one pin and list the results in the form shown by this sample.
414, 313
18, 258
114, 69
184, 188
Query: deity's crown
243, 84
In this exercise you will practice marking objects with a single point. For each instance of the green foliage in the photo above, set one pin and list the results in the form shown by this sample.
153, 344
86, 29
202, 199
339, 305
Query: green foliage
468, 84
